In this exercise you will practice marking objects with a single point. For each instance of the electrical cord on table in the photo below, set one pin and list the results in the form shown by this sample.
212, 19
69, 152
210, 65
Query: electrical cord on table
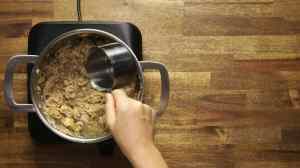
79, 17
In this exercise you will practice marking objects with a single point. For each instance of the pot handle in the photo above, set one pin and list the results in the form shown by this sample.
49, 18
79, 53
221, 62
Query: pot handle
8, 81
165, 84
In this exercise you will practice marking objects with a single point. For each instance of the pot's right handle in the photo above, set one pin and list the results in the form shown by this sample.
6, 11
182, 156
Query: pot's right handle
165, 84
8, 81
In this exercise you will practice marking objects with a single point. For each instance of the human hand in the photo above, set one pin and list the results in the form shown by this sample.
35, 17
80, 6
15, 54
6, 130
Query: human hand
130, 121
132, 125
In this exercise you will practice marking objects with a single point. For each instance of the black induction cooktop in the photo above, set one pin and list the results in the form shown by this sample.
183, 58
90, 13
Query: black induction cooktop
42, 33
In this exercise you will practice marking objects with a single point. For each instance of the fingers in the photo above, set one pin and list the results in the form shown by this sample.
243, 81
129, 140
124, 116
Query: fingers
123, 103
110, 110
151, 115
120, 98
151, 112
119, 93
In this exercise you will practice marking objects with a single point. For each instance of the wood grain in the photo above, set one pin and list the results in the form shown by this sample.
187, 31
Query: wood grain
234, 75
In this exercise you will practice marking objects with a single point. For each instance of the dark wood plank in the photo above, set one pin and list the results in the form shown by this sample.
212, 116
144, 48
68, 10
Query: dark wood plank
15, 28
234, 26
25, 9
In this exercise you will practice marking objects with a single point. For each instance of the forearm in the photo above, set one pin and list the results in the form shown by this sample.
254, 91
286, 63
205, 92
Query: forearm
147, 157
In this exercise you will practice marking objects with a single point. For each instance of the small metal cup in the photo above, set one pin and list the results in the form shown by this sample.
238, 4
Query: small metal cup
110, 66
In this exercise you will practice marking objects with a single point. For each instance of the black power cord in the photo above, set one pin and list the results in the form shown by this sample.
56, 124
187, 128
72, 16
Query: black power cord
79, 16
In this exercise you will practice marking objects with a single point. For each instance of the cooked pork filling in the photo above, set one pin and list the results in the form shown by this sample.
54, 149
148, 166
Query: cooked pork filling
70, 104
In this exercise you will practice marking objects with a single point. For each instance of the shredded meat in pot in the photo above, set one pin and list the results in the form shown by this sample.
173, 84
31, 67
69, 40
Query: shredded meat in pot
69, 102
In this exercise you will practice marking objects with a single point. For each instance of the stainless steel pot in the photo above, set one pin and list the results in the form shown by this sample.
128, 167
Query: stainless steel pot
51, 47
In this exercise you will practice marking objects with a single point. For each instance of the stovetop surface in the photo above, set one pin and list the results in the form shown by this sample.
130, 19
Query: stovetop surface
42, 33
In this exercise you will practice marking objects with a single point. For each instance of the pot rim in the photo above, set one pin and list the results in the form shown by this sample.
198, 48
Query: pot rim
34, 76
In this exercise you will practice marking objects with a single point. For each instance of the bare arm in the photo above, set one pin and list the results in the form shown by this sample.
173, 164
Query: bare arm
131, 124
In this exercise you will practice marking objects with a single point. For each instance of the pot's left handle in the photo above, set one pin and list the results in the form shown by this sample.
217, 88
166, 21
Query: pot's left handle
8, 82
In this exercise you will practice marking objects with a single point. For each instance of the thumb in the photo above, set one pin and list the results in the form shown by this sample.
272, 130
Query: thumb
110, 110
120, 98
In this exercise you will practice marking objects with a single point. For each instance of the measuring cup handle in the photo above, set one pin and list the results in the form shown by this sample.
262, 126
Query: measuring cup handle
8, 82
165, 84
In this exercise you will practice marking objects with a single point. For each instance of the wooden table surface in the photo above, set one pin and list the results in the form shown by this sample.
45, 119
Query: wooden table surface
235, 81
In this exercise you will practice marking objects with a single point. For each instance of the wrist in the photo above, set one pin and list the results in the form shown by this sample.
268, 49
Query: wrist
142, 152
150, 157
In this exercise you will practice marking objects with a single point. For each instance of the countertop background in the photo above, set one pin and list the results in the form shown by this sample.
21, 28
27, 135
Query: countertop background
234, 67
